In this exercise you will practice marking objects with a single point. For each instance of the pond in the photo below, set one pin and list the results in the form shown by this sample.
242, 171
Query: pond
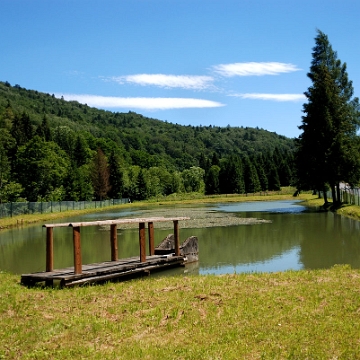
264, 236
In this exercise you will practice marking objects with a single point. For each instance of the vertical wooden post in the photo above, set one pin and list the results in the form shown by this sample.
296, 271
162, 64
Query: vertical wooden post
49, 249
113, 242
142, 242
77, 250
151, 238
177, 237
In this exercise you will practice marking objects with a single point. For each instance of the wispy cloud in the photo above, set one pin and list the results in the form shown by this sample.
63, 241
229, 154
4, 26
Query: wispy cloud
190, 82
140, 102
254, 69
272, 97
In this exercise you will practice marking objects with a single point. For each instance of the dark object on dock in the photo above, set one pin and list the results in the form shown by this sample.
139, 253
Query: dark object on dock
116, 268
189, 248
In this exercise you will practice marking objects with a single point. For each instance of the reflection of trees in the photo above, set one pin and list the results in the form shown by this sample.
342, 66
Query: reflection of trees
332, 240
246, 244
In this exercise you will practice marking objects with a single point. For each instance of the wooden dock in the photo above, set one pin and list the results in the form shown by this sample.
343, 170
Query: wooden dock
113, 269
105, 271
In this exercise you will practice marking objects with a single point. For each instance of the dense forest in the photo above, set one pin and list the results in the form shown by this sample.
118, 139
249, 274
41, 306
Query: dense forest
53, 150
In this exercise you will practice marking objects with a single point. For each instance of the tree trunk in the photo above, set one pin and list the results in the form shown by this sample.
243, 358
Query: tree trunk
325, 196
338, 193
333, 192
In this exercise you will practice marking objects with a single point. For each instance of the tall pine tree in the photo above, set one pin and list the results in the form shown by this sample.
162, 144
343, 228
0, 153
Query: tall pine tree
328, 148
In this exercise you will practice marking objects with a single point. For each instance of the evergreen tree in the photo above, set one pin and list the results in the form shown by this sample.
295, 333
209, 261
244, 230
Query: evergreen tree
116, 177
215, 159
327, 149
43, 130
142, 186
260, 166
231, 176
251, 178
81, 151
21, 129
212, 185
100, 175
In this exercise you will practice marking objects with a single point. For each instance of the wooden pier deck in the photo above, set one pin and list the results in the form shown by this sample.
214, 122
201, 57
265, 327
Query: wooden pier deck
104, 271
116, 268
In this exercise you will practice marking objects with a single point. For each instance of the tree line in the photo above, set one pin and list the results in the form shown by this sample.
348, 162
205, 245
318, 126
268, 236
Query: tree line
52, 149
50, 161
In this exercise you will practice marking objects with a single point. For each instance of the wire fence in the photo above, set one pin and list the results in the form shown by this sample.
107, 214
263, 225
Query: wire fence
20, 208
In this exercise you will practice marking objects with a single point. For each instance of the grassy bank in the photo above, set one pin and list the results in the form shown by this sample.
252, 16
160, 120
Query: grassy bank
351, 211
289, 315
193, 198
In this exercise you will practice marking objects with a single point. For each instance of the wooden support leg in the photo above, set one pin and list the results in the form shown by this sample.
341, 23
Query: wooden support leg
113, 242
151, 238
142, 242
177, 237
49, 249
49, 254
77, 250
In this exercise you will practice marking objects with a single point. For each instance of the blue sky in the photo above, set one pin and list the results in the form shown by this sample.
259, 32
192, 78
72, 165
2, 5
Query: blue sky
190, 62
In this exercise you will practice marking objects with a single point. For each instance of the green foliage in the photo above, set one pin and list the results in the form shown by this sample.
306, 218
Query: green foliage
168, 154
40, 167
328, 148
100, 175
193, 179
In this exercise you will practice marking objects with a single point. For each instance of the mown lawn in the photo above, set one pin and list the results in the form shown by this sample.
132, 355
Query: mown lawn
288, 315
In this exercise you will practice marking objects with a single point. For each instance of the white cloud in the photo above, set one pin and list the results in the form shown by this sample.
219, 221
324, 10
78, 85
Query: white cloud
167, 81
254, 69
140, 102
273, 97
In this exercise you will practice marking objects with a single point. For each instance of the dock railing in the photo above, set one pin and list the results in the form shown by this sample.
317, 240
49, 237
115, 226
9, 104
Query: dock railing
113, 238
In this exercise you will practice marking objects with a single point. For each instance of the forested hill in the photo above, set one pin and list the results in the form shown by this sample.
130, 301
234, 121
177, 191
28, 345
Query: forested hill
134, 139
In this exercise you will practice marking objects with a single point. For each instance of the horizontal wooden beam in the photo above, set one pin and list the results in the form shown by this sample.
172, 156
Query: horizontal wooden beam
56, 225
127, 221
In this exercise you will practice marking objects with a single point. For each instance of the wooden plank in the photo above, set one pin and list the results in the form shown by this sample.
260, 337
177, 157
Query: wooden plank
142, 242
151, 238
115, 275
113, 242
77, 250
56, 225
127, 221
103, 271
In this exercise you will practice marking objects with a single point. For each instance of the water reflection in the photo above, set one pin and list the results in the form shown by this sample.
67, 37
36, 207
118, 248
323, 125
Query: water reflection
294, 239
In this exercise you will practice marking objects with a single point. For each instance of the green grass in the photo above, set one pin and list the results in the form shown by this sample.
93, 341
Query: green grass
351, 211
289, 315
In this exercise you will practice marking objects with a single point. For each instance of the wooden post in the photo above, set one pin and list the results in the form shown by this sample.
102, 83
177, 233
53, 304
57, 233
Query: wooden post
113, 242
49, 249
142, 242
77, 250
151, 238
176, 238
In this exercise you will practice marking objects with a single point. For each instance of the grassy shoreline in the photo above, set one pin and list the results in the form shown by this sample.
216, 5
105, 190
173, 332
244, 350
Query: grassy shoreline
288, 315
27, 219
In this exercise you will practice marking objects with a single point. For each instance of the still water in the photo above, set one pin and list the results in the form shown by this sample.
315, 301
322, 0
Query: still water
294, 239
